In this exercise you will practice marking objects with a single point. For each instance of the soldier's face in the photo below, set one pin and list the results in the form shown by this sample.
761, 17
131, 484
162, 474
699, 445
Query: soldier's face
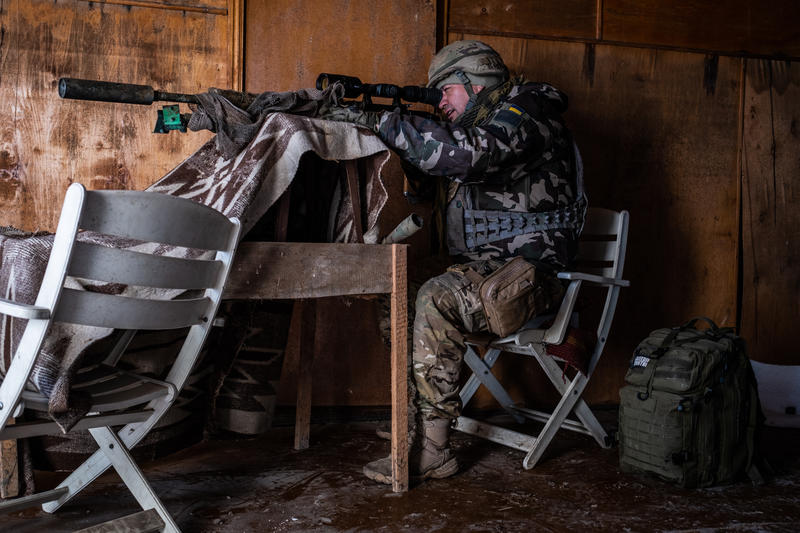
454, 100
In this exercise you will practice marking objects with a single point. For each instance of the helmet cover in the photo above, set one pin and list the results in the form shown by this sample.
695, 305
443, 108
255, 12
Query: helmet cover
478, 61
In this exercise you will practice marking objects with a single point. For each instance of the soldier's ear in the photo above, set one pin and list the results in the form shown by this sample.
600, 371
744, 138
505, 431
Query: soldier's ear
477, 88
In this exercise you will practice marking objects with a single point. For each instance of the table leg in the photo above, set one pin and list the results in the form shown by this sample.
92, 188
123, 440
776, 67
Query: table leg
9, 474
399, 378
308, 319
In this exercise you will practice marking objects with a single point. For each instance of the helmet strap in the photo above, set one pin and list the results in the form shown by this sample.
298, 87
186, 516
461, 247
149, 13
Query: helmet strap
484, 103
465, 81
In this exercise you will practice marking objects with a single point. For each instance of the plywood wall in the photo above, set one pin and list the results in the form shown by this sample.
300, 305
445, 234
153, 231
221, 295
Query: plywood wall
47, 143
289, 42
771, 210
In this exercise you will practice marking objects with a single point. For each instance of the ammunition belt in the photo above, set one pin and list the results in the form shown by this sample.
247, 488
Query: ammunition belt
482, 226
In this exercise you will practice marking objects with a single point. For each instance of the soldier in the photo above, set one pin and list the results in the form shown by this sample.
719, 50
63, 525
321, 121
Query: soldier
514, 191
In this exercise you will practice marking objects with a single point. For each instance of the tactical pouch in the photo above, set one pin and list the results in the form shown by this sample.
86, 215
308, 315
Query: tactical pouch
510, 295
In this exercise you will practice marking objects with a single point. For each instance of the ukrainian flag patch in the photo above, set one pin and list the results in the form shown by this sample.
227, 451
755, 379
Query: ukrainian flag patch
514, 109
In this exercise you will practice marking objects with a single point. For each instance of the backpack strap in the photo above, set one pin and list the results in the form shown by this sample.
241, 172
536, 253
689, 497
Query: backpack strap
711, 325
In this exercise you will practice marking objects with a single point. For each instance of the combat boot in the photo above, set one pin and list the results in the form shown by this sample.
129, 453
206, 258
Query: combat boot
430, 458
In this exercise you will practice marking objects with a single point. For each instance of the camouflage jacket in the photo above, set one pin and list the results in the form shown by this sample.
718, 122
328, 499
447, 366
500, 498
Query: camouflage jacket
520, 159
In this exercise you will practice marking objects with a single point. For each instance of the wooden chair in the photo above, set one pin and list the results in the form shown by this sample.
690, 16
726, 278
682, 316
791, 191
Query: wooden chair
120, 397
601, 257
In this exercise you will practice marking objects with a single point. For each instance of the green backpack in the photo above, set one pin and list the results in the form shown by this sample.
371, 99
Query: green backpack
689, 409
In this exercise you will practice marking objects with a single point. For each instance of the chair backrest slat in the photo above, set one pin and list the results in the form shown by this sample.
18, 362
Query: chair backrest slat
600, 221
112, 311
606, 272
114, 265
153, 217
597, 251
601, 250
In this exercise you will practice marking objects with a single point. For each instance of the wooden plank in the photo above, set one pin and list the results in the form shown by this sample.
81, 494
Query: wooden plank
15, 198
734, 26
9, 467
658, 135
236, 28
566, 18
771, 211
269, 270
399, 372
305, 362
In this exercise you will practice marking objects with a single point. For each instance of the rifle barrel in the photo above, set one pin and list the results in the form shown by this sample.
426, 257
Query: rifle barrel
123, 93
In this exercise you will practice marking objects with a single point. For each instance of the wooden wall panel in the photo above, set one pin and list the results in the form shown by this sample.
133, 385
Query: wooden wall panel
658, 138
47, 143
567, 18
771, 211
734, 26
288, 42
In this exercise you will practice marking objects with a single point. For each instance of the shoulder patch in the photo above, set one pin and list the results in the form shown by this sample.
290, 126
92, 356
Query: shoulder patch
506, 121
511, 117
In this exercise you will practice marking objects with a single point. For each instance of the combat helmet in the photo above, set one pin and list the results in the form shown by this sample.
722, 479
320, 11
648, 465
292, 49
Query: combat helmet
468, 63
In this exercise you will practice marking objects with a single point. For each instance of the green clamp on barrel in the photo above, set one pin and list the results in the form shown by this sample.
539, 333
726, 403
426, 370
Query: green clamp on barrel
169, 119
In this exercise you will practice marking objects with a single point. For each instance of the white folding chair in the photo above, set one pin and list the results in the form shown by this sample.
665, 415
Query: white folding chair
601, 256
208, 239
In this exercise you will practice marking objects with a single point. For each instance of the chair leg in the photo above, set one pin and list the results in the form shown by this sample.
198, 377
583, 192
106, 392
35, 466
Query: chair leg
568, 400
471, 386
79, 479
591, 423
98, 462
120, 458
483, 373
506, 437
581, 410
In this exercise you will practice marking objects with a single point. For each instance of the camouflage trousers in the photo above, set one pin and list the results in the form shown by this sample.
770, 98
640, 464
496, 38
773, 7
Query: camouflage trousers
442, 310
448, 307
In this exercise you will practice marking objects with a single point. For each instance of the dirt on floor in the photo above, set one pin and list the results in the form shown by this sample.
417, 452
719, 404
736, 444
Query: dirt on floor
260, 484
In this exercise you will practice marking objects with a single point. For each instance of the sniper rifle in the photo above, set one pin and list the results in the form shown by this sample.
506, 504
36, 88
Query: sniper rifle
170, 118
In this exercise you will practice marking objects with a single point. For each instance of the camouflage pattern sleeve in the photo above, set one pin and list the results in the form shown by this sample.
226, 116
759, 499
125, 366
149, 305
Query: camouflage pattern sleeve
484, 154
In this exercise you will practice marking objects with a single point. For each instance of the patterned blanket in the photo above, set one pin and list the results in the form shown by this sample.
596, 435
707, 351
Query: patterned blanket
243, 185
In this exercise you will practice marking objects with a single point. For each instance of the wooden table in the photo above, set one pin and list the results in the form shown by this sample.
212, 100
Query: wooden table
290, 270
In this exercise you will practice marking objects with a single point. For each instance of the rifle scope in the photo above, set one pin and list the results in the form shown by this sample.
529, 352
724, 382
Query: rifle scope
353, 87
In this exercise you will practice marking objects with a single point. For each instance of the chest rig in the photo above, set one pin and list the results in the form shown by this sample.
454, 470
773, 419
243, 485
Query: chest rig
469, 228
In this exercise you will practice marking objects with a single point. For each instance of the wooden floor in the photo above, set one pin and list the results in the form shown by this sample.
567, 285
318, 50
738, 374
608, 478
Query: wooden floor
260, 484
